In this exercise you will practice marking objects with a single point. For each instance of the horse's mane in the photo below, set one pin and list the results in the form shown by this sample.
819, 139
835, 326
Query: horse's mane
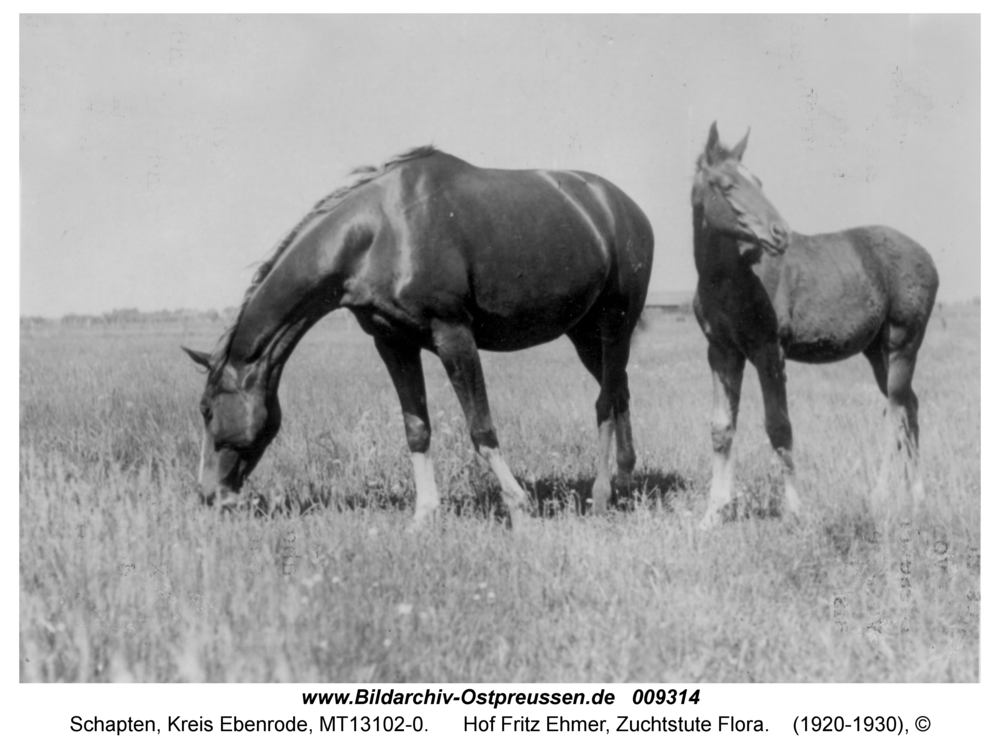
364, 175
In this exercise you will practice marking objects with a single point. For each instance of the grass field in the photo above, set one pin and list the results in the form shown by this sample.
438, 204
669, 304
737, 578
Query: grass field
123, 576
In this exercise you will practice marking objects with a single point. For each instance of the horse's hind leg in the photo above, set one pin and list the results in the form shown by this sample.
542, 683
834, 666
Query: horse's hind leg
456, 347
770, 364
402, 359
587, 341
606, 357
727, 382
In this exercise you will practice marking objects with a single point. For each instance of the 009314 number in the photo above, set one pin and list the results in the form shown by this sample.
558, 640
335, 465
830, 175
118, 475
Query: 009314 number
666, 696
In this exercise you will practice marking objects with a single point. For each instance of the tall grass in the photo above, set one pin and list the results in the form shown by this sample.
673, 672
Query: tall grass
125, 577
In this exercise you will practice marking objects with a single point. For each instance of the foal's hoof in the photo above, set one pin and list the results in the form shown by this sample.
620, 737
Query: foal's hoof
517, 520
792, 517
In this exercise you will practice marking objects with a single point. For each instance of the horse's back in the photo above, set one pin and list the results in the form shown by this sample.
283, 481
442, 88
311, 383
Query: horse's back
521, 254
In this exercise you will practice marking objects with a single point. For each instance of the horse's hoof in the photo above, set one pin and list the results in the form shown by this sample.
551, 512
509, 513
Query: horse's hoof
602, 494
710, 520
597, 509
623, 482
421, 522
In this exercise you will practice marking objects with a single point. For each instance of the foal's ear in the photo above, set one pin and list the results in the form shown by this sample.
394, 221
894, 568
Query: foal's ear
741, 147
713, 142
201, 358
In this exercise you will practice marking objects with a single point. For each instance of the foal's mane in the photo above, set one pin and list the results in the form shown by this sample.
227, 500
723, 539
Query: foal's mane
364, 175
720, 153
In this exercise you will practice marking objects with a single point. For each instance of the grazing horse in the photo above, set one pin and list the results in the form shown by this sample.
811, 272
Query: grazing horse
430, 252
766, 293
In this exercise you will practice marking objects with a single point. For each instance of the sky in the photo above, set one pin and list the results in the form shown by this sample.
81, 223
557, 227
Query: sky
161, 157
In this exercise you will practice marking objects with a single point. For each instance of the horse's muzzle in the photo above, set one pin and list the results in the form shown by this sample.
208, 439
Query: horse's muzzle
221, 497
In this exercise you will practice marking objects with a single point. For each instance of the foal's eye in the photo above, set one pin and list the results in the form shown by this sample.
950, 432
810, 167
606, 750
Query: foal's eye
206, 412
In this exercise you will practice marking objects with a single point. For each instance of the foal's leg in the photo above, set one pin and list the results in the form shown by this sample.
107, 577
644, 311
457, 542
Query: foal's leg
770, 364
727, 381
457, 349
903, 405
403, 362
880, 367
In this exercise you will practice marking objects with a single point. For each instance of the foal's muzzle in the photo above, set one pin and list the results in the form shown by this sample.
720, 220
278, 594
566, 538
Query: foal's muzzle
776, 241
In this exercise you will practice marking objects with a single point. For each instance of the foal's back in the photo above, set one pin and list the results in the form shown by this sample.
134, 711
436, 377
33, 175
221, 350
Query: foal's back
834, 293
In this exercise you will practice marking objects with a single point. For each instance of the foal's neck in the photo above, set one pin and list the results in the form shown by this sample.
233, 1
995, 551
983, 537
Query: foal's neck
717, 254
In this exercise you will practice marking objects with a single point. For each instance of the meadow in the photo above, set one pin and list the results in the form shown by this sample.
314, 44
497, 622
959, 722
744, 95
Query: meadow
125, 576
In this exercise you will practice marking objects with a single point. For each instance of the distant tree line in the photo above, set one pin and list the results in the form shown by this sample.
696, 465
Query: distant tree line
129, 316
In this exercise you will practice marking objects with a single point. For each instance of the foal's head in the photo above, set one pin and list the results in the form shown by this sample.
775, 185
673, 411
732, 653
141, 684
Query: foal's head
732, 201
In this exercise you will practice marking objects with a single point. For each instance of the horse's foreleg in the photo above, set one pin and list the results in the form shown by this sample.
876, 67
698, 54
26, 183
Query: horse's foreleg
727, 381
770, 364
457, 349
624, 447
403, 362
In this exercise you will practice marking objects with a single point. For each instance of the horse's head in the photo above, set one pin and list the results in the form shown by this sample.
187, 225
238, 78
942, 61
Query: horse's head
732, 201
242, 416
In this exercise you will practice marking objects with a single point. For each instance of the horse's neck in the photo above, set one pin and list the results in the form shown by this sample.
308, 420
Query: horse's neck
283, 308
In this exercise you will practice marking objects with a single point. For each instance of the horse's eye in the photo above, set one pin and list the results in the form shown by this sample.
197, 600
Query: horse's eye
206, 412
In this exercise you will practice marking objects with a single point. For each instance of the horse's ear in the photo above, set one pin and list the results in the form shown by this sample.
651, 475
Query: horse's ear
741, 147
201, 358
713, 143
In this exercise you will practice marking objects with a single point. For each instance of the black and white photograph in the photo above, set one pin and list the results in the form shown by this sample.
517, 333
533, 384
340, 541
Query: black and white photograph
381, 350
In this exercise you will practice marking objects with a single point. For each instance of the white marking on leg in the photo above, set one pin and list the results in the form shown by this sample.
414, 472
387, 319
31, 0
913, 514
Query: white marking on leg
201, 463
721, 491
602, 484
792, 503
513, 494
428, 500
880, 494
902, 464
723, 431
